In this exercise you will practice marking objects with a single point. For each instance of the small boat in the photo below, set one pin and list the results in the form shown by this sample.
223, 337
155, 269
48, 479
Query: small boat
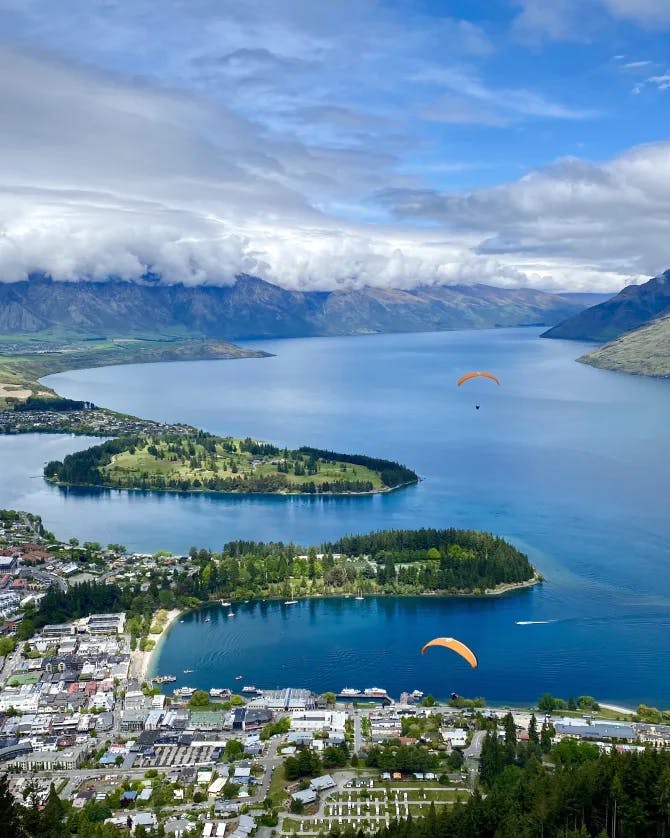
291, 602
231, 613
225, 604
349, 691
417, 694
207, 620
181, 621
187, 671
246, 601
250, 689
238, 677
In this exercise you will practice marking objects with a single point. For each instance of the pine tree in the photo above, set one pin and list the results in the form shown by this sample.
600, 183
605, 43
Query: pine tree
10, 812
532, 730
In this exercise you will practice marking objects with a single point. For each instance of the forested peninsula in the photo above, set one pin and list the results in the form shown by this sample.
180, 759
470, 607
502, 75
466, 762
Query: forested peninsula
388, 562
192, 460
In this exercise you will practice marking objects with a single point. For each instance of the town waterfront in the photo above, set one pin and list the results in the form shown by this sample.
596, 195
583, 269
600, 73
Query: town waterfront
564, 460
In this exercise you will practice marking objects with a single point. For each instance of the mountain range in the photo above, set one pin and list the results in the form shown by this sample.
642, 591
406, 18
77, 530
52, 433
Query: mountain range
254, 308
631, 308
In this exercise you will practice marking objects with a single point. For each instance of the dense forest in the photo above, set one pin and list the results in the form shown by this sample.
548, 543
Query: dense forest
200, 461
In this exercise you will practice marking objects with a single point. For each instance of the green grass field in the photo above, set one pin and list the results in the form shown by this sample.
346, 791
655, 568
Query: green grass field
190, 460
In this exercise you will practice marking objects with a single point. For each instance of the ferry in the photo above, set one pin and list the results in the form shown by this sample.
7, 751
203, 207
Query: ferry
348, 691
375, 692
165, 679
251, 690
221, 692
184, 692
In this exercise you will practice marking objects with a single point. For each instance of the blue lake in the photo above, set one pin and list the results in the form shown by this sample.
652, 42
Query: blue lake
568, 462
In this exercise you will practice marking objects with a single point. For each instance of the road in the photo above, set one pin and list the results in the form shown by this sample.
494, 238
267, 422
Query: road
358, 732
474, 749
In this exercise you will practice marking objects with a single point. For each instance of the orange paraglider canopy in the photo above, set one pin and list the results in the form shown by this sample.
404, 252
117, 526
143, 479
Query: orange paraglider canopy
455, 646
469, 375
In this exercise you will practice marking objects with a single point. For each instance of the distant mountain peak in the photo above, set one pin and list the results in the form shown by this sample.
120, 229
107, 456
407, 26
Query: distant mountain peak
631, 308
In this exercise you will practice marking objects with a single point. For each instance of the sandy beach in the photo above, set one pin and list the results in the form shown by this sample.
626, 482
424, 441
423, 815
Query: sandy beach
140, 662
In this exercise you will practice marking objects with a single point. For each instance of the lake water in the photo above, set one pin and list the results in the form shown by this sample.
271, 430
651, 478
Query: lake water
568, 462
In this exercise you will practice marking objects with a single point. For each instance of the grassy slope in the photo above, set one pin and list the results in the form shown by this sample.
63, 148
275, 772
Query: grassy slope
127, 467
20, 370
645, 351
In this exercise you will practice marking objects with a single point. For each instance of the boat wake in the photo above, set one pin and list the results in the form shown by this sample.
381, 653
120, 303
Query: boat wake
533, 622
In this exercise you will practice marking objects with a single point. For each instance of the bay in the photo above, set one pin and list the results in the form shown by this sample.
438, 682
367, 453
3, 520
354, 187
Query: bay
568, 462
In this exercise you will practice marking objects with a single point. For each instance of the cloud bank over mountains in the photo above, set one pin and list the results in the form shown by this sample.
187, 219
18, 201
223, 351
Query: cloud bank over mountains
316, 146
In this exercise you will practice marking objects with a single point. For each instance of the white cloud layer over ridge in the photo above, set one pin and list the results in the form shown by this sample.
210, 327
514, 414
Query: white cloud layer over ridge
280, 140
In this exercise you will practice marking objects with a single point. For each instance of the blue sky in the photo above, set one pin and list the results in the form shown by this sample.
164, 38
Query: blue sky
513, 142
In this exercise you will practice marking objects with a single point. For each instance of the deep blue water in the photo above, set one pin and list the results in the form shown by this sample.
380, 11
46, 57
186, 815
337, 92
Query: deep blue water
568, 462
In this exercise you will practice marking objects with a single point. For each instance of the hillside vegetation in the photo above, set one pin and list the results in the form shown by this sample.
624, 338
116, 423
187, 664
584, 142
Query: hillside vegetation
645, 351
200, 461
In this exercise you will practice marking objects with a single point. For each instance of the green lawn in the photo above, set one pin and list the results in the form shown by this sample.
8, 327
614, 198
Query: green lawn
190, 460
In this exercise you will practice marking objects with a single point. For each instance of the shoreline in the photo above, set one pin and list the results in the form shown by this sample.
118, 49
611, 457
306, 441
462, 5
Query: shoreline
141, 662
285, 494
507, 587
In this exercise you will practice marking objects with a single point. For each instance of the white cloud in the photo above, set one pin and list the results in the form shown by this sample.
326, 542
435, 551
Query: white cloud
580, 19
253, 137
470, 100
572, 220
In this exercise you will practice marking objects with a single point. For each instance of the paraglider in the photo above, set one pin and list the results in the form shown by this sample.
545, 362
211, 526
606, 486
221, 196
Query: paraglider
481, 374
455, 646
477, 374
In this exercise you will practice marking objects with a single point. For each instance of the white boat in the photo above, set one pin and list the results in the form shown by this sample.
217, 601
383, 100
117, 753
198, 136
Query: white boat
206, 619
186, 671
225, 604
184, 692
218, 692
231, 613
375, 692
349, 691
250, 689
417, 694
291, 602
